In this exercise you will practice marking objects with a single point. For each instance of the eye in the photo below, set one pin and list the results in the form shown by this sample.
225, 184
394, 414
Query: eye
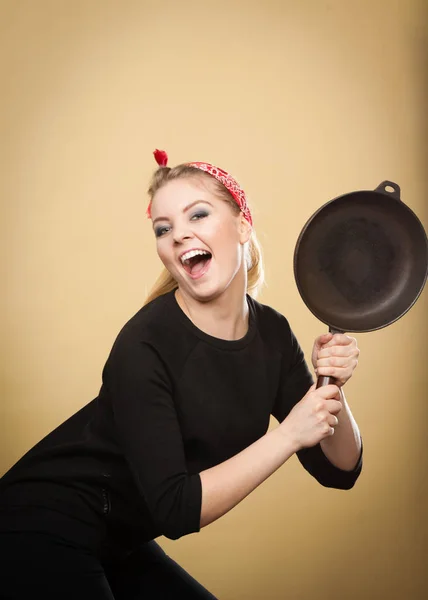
199, 215
161, 231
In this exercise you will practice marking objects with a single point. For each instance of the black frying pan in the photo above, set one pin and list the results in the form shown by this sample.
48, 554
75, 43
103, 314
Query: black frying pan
361, 261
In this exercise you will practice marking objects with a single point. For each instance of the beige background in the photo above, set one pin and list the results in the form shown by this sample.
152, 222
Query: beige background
302, 101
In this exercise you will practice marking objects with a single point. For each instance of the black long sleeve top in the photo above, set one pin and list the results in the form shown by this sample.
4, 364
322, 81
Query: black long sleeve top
174, 401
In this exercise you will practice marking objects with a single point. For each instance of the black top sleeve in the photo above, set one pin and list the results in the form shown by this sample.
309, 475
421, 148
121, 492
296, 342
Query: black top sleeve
296, 380
148, 430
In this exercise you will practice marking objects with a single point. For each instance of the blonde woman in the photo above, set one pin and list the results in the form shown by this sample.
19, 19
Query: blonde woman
178, 434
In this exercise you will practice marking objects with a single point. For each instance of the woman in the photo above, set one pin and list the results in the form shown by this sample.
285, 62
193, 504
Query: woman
178, 433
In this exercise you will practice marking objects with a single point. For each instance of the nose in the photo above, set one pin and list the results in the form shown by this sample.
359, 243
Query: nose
180, 234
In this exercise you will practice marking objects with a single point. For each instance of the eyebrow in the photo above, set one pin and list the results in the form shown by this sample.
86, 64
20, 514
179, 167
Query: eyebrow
185, 209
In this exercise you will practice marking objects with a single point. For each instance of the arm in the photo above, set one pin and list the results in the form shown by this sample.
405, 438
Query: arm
148, 427
140, 392
226, 484
343, 449
319, 427
149, 434
337, 356
311, 420
335, 462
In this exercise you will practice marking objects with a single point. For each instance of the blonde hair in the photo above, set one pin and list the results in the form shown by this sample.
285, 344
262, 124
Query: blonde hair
255, 272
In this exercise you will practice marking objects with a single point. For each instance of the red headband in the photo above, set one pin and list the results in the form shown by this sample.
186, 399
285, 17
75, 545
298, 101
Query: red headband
223, 177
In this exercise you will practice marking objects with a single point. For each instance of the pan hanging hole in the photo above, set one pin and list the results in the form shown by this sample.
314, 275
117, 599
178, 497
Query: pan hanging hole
389, 188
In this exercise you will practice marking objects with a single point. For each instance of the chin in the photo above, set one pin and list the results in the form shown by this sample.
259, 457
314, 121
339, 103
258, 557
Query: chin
204, 295
206, 292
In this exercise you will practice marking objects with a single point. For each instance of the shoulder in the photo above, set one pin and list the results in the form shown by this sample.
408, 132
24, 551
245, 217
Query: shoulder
152, 318
277, 334
273, 326
155, 327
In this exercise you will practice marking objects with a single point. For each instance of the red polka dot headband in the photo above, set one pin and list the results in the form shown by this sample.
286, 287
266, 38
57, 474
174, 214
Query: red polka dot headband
223, 177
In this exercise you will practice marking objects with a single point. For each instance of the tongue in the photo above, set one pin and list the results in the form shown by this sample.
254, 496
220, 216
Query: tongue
198, 266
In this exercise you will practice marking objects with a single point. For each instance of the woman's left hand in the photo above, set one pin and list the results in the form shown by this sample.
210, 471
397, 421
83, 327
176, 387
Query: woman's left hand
335, 356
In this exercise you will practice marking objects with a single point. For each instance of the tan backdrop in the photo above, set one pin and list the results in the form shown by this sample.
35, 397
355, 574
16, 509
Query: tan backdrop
302, 101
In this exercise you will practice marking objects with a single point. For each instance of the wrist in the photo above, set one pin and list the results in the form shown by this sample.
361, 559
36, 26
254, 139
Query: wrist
287, 436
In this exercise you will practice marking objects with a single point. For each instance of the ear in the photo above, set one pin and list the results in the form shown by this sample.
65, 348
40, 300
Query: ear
245, 229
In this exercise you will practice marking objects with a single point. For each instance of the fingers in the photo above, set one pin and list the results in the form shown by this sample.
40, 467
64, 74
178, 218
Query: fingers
329, 354
333, 407
345, 351
328, 391
336, 361
314, 418
340, 374
326, 417
340, 339
327, 398
332, 420
338, 358
323, 339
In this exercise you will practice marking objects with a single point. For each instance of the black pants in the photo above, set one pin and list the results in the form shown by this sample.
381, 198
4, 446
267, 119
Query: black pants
35, 564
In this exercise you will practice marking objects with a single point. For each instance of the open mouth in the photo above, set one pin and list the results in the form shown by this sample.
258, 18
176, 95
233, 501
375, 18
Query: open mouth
197, 265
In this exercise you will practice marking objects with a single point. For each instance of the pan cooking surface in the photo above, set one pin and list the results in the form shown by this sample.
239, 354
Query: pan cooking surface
358, 258
361, 261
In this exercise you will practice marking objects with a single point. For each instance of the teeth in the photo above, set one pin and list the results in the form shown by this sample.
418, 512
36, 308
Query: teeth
191, 254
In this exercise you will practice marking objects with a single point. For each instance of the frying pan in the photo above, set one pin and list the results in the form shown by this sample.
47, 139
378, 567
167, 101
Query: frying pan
361, 261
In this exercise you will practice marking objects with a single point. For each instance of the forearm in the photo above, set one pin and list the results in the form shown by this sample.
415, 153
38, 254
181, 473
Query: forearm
226, 484
344, 447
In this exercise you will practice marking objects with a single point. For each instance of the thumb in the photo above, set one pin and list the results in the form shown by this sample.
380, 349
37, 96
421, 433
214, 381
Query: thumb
311, 389
323, 339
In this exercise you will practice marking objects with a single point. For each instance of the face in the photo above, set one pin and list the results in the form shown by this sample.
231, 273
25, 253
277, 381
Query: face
188, 216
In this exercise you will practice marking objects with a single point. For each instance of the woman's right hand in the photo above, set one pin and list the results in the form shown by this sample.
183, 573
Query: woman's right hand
313, 418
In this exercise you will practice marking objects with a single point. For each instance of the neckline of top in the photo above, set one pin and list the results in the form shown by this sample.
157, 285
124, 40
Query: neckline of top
206, 337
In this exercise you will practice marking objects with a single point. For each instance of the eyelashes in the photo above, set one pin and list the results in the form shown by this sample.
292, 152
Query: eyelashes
160, 231
199, 215
196, 216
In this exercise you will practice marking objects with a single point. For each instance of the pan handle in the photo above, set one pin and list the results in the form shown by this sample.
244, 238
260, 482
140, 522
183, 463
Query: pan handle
395, 192
324, 379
